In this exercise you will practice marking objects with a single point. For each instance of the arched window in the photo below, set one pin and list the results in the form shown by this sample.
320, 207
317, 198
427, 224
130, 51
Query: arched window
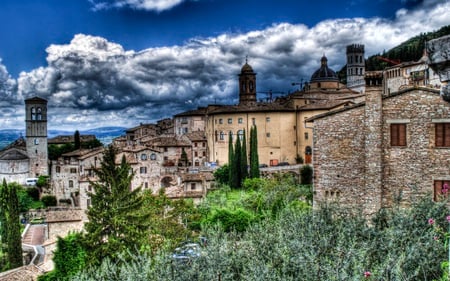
240, 134
71, 184
308, 150
153, 156
39, 113
250, 85
243, 86
33, 113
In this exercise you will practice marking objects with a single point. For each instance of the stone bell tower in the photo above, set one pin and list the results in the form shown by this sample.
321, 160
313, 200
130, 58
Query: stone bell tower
36, 135
247, 85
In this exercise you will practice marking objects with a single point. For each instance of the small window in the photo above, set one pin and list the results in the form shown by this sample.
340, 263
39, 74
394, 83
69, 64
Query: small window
203, 144
143, 170
193, 186
306, 135
71, 184
204, 153
222, 136
153, 156
230, 120
254, 121
240, 120
220, 121
195, 144
398, 134
58, 169
33, 113
146, 185
166, 149
442, 134
195, 154
268, 135
144, 156
267, 119
73, 170
441, 190
240, 134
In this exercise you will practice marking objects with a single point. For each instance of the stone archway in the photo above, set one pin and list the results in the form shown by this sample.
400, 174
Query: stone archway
167, 181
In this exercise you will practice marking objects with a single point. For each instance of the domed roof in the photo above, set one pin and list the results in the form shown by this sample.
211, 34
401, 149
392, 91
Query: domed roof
324, 73
246, 68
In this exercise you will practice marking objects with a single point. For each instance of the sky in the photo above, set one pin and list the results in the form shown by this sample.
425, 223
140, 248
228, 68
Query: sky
125, 62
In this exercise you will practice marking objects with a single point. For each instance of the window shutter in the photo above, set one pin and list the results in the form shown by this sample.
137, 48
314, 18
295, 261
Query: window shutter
402, 134
437, 190
394, 135
446, 134
439, 134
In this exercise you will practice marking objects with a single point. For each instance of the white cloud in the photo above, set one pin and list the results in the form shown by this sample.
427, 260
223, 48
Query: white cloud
149, 5
93, 82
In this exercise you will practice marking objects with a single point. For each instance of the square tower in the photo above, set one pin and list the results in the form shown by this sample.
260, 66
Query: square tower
36, 135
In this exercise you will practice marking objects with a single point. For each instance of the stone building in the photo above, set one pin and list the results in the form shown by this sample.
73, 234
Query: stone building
390, 149
28, 158
282, 134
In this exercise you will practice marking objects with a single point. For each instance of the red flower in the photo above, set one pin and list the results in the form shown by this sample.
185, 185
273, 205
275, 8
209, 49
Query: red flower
367, 274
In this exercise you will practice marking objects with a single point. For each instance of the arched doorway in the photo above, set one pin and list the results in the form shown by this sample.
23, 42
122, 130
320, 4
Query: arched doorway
308, 155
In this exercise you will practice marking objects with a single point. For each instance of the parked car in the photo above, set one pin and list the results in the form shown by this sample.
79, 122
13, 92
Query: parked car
283, 164
186, 252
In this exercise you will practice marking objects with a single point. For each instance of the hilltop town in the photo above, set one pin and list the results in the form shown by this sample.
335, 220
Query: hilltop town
381, 134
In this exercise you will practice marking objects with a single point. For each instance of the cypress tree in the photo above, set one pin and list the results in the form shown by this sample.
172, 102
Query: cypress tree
77, 141
231, 170
14, 237
11, 240
244, 162
254, 161
117, 216
237, 177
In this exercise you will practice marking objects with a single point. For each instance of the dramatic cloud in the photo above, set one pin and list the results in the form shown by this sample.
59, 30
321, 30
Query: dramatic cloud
92, 82
149, 5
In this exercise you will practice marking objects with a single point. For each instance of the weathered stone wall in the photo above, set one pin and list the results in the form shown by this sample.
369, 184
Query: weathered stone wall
410, 171
346, 150
338, 158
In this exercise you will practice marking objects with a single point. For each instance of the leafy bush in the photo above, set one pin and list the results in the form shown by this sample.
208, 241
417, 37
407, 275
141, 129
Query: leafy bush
33, 192
231, 220
306, 174
221, 175
48, 200
328, 244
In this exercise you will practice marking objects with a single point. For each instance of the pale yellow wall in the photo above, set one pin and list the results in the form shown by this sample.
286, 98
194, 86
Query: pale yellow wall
276, 135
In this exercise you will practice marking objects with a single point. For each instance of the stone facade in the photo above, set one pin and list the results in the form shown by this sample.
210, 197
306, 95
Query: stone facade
355, 162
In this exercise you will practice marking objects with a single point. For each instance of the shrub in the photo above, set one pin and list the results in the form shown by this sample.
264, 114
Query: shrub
221, 175
48, 200
232, 220
306, 174
33, 192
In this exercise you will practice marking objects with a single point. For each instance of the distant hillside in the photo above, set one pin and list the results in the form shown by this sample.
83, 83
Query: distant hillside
410, 50
103, 134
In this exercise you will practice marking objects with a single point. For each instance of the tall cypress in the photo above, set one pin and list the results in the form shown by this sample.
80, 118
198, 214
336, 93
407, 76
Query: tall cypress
11, 240
231, 170
237, 177
244, 162
14, 237
77, 140
254, 158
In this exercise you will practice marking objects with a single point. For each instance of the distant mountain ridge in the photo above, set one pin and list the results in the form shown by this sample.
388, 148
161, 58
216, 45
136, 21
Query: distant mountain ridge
103, 134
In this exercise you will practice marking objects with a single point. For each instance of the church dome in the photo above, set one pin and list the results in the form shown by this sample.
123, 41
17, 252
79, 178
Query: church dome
324, 73
246, 68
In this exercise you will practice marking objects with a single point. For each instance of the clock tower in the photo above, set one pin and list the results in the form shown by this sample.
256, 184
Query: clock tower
36, 135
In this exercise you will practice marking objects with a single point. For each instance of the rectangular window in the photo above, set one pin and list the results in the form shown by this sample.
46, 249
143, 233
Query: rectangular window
193, 186
306, 136
441, 190
240, 120
204, 144
73, 170
220, 121
230, 120
195, 154
442, 134
195, 144
398, 134
267, 119
204, 153
143, 170
268, 135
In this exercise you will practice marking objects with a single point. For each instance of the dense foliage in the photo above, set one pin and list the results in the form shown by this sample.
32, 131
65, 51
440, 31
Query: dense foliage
117, 218
10, 239
326, 244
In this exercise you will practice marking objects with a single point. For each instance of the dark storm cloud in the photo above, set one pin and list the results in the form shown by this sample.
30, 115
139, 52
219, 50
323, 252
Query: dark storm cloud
92, 82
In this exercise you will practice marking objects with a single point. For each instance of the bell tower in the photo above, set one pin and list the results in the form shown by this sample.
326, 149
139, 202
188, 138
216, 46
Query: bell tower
36, 135
247, 85
356, 67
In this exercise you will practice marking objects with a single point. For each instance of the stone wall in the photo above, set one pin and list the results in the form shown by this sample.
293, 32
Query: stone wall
348, 148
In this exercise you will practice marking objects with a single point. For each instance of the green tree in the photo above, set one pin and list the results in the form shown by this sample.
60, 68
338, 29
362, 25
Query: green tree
222, 174
69, 258
306, 174
254, 158
76, 140
232, 167
244, 162
237, 175
117, 218
10, 225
